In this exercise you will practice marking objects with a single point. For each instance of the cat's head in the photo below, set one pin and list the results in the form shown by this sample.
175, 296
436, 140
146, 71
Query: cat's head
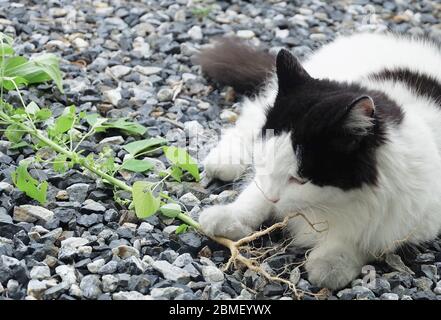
325, 136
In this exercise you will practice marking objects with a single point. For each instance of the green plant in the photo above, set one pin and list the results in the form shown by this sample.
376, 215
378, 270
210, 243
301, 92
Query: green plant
64, 136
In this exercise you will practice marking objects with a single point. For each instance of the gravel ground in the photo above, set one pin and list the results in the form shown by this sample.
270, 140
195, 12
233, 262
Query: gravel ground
128, 58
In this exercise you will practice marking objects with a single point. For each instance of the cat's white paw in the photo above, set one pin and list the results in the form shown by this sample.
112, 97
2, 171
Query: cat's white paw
222, 165
333, 270
220, 220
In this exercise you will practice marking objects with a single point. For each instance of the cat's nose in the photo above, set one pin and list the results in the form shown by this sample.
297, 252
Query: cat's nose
274, 200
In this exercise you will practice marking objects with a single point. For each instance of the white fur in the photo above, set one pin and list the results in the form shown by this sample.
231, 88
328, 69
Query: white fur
361, 223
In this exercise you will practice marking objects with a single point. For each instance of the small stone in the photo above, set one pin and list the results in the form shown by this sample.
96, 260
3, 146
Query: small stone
109, 268
195, 33
425, 257
430, 271
389, 296
88, 220
78, 192
94, 266
130, 295
5, 218
111, 141
35, 288
282, 33
166, 293
120, 71
273, 289
423, 283
188, 76
75, 291
437, 289
113, 96
57, 12
124, 251
110, 283
91, 206
363, 293
62, 195
141, 49
80, 43
50, 261
56, 291
189, 200
144, 228
183, 260
345, 294
30, 213
66, 273
40, 272
318, 36
90, 286
165, 94
6, 187
212, 274
245, 34
203, 105
171, 272
169, 230
74, 242
147, 71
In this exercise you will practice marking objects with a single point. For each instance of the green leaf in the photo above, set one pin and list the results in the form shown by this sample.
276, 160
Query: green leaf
43, 114
120, 124
171, 210
176, 173
14, 133
64, 122
180, 158
127, 126
92, 118
145, 203
181, 229
141, 145
6, 50
26, 183
32, 108
60, 163
9, 84
137, 165
19, 145
37, 70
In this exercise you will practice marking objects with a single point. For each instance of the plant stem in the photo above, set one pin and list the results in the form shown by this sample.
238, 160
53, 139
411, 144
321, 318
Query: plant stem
188, 220
82, 161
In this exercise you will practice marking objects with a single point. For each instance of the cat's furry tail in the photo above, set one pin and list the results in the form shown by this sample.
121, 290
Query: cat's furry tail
231, 61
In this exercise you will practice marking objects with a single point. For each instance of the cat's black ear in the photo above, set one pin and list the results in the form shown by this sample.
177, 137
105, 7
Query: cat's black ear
360, 117
289, 71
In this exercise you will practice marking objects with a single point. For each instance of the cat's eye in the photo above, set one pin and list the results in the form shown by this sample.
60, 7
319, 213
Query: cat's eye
296, 180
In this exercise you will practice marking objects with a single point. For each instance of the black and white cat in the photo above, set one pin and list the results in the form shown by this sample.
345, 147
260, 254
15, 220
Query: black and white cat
356, 143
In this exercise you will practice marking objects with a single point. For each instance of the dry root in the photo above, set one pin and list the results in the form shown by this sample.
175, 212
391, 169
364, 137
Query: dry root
252, 263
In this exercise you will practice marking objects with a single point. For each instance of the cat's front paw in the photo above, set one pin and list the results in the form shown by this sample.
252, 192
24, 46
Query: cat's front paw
221, 221
332, 271
223, 165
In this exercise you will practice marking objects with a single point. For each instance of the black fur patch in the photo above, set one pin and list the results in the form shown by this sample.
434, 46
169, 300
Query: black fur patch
231, 61
420, 84
316, 113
